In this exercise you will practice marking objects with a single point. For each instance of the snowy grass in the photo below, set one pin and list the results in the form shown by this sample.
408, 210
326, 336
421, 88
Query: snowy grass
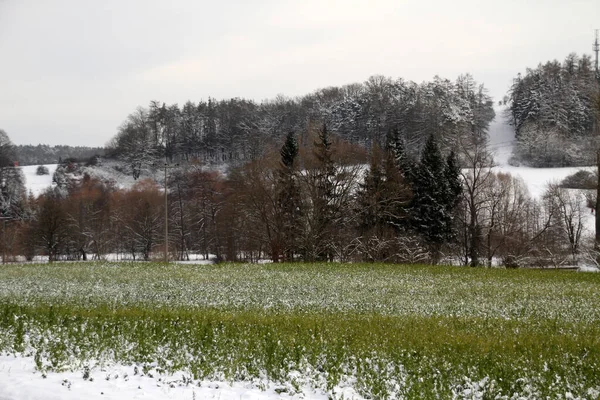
385, 331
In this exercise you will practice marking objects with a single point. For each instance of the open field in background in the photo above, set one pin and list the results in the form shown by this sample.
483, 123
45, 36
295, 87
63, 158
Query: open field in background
387, 331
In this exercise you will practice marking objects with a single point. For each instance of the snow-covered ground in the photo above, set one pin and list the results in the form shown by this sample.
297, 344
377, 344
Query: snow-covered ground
502, 138
35, 183
20, 381
501, 142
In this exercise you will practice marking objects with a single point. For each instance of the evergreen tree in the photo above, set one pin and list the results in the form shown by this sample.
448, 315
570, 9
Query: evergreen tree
436, 193
289, 151
289, 197
452, 175
397, 192
370, 199
321, 209
325, 171
397, 153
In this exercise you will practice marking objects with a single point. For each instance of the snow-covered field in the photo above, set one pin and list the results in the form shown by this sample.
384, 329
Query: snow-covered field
19, 379
35, 183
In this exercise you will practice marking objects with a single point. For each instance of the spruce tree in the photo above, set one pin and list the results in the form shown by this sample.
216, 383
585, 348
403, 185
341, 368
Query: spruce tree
289, 197
435, 196
397, 193
322, 193
289, 151
370, 199
452, 174
396, 151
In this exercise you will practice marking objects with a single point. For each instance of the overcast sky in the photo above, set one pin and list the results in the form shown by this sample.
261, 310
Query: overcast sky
72, 70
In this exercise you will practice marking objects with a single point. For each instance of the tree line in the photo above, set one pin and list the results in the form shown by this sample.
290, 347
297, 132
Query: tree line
235, 131
45, 154
305, 200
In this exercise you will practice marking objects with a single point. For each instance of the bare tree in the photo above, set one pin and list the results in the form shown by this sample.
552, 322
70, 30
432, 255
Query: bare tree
477, 175
570, 209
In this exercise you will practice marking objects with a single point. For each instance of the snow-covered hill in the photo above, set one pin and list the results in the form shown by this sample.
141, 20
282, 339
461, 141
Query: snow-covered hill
35, 183
502, 138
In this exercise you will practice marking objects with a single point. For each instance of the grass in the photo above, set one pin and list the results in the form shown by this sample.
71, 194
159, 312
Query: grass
388, 331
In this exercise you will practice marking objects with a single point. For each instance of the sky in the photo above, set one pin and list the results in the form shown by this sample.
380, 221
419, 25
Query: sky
72, 70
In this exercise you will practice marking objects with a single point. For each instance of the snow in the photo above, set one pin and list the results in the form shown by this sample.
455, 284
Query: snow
19, 378
502, 138
35, 183
20, 381
537, 179
588, 268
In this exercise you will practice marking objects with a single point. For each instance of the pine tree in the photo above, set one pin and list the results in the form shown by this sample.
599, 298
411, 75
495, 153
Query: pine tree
396, 151
435, 196
397, 192
452, 174
321, 199
370, 199
289, 197
325, 176
289, 151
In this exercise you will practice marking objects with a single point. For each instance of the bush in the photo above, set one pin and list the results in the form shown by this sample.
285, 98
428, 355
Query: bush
42, 170
511, 261
581, 179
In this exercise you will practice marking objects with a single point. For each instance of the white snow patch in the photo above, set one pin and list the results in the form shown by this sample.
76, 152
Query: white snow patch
35, 183
19, 380
502, 137
537, 179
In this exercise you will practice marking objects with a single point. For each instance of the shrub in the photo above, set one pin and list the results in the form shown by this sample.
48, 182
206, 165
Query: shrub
580, 180
42, 170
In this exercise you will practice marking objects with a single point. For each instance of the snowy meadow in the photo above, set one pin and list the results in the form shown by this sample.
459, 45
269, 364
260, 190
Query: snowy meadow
302, 330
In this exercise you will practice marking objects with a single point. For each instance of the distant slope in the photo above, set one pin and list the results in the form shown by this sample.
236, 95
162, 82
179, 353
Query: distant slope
502, 138
44, 154
35, 183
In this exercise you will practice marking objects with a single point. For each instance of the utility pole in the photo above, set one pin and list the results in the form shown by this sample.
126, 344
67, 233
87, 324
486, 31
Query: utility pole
596, 49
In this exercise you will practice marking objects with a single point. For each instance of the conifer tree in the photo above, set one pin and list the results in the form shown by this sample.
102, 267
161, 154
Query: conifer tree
397, 193
289, 197
452, 174
370, 199
325, 177
321, 210
435, 187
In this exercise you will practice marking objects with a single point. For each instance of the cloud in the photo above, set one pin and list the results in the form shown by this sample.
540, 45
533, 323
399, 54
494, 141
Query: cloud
92, 63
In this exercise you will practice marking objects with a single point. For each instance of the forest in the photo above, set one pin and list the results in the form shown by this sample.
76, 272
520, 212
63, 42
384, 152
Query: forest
235, 131
385, 170
45, 154
553, 109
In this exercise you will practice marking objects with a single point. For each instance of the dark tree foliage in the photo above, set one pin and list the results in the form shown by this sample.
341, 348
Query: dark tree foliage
323, 194
44, 154
289, 199
370, 199
289, 151
452, 175
435, 186
398, 193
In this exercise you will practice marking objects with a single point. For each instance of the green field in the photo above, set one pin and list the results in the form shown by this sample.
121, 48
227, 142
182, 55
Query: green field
389, 331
